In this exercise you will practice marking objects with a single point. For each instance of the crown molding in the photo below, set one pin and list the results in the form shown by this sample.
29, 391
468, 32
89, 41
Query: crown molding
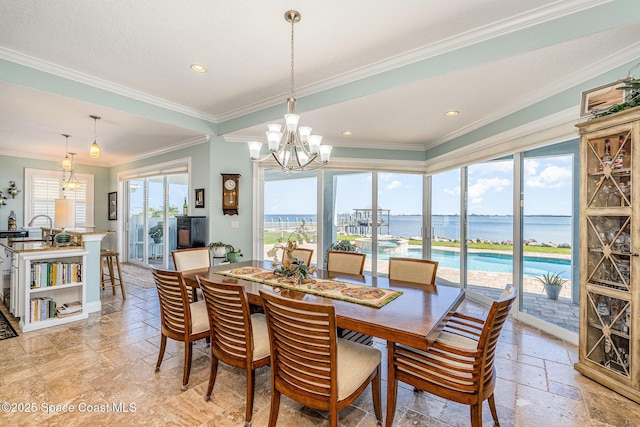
554, 128
174, 147
495, 29
407, 146
67, 73
107, 164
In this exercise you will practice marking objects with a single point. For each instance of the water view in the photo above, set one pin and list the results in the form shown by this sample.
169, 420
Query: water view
555, 229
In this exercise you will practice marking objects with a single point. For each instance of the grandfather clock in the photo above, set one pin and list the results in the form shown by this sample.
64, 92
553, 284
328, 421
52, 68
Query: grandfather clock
230, 193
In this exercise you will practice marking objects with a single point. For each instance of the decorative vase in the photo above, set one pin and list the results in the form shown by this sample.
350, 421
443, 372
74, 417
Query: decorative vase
157, 239
62, 238
219, 251
233, 256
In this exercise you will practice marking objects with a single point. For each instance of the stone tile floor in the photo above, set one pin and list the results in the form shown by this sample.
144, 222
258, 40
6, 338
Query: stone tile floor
109, 360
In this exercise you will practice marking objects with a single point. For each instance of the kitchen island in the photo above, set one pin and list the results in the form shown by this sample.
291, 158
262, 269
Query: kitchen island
44, 277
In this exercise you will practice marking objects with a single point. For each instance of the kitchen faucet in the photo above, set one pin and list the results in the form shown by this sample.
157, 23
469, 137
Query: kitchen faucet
50, 224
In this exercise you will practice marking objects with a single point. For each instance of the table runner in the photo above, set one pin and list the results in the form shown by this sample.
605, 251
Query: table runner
359, 294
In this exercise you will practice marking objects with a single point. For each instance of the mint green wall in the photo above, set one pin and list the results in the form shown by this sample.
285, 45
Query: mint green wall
231, 157
12, 169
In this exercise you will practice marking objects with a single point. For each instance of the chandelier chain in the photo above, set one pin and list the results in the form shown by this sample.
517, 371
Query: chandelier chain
292, 90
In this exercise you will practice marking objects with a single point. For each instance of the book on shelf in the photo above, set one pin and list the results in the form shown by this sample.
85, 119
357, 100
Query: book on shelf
42, 308
70, 307
45, 273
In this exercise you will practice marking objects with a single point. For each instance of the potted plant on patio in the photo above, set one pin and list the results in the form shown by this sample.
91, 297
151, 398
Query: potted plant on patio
155, 232
552, 283
340, 246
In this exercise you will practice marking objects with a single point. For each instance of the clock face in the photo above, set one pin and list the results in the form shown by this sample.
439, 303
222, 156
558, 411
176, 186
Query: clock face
229, 184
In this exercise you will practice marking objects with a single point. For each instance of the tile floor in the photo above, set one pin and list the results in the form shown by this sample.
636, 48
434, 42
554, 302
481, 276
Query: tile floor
107, 363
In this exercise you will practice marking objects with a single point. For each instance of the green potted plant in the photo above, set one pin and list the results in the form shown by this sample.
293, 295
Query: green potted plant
343, 246
155, 232
552, 283
219, 249
233, 254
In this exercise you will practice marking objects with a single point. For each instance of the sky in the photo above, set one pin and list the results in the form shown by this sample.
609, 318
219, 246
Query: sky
547, 191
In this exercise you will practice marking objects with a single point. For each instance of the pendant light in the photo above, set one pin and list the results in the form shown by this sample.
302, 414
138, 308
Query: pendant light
94, 150
66, 162
72, 182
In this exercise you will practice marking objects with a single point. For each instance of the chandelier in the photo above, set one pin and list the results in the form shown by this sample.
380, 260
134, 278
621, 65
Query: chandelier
294, 149
72, 182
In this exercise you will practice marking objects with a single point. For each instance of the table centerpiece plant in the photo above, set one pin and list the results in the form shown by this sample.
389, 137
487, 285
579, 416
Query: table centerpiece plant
293, 269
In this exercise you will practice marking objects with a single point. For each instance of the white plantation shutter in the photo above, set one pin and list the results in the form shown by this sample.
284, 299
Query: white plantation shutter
43, 187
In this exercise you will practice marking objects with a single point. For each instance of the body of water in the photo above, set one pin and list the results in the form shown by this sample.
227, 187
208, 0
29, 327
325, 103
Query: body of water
495, 228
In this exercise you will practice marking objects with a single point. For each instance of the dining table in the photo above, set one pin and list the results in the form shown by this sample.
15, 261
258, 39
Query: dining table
415, 318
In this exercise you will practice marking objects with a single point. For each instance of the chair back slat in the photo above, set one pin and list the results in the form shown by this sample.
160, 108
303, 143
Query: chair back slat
421, 271
174, 299
303, 343
345, 262
230, 319
488, 340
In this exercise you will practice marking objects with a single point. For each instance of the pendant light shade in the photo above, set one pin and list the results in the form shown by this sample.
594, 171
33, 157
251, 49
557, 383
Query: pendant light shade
66, 162
94, 149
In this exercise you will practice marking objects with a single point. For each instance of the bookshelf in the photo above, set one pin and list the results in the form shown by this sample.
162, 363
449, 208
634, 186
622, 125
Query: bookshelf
46, 277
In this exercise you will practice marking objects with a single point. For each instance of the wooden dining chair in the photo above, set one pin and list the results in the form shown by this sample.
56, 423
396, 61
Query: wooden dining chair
459, 366
181, 319
310, 365
345, 262
302, 254
348, 263
191, 259
238, 338
414, 270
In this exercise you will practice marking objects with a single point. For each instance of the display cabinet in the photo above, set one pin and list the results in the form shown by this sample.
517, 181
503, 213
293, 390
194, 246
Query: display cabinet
609, 261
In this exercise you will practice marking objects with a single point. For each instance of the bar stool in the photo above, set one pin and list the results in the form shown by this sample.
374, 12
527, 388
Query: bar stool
110, 278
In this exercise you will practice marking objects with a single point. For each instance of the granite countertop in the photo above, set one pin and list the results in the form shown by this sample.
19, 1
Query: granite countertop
33, 245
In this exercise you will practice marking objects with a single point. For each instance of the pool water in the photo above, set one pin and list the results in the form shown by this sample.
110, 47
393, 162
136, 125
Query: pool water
495, 263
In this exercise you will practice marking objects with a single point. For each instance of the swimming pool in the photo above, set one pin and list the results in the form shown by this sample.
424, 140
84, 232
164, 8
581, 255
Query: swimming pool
493, 262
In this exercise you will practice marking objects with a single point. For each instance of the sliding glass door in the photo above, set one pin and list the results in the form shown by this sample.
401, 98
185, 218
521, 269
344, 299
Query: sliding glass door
153, 205
290, 206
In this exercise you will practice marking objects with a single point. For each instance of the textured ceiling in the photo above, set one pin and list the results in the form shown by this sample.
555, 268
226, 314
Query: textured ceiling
385, 70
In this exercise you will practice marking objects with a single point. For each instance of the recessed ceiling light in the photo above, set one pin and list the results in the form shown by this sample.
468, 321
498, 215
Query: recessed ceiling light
198, 68
347, 133
452, 113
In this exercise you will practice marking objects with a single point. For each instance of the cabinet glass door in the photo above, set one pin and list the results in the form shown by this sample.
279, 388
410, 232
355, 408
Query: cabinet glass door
608, 237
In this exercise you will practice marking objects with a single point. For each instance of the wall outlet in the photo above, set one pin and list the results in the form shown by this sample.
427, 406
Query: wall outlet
235, 224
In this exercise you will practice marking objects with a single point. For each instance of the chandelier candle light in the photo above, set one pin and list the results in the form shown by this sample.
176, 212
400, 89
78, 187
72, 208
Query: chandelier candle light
294, 149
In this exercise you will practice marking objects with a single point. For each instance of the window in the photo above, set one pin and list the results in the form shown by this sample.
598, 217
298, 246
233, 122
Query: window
42, 188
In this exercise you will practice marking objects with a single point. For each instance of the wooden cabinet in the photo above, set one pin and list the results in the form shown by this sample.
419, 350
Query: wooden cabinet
45, 276
609, 252
192, 232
